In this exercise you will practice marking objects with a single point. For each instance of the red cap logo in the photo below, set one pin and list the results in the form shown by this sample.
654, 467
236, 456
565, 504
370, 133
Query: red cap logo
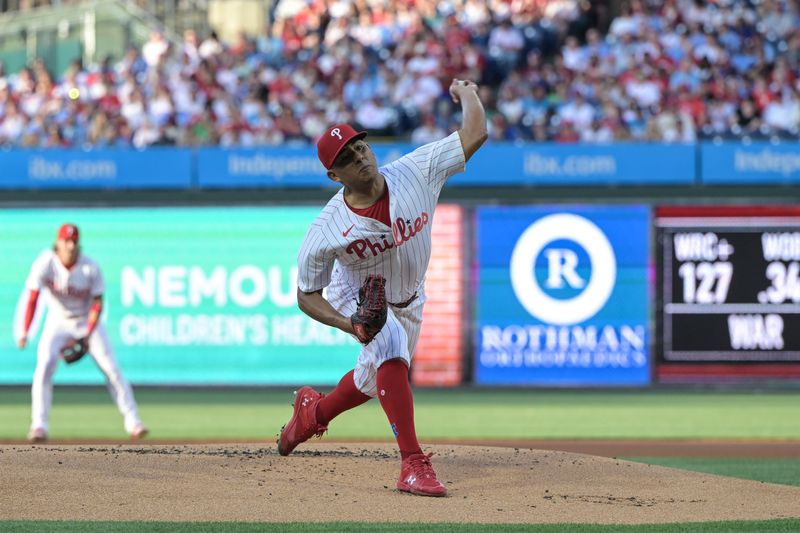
68, 232
333, 140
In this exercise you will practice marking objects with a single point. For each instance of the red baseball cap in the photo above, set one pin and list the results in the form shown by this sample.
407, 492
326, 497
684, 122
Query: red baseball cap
333, 140
68, 232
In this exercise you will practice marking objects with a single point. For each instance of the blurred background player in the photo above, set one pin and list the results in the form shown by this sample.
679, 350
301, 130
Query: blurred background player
378, 223
76, 287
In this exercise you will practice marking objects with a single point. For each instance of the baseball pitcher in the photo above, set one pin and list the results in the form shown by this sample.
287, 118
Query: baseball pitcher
370, 248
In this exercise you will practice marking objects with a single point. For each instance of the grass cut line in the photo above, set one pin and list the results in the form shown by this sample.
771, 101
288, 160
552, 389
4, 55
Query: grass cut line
783, 471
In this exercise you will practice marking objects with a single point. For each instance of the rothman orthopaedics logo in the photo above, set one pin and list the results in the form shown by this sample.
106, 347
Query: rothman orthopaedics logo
562, 269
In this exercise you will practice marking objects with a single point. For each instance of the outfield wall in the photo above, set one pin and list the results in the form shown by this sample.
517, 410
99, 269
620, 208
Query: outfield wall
560, 295
553, 265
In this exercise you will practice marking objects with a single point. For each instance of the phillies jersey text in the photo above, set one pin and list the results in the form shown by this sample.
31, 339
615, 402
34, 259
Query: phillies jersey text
342, 248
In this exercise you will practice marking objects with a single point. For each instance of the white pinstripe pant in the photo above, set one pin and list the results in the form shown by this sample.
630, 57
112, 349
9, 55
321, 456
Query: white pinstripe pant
55, 334
397, 340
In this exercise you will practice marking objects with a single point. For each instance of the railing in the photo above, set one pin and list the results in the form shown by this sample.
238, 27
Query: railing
86, 30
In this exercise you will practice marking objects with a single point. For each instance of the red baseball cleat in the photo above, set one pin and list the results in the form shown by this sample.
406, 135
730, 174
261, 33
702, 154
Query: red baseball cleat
303, 424
417, 476
37, 436
139, 432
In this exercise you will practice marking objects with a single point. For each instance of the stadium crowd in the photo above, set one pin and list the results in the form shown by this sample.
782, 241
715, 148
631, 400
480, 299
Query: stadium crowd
550, 70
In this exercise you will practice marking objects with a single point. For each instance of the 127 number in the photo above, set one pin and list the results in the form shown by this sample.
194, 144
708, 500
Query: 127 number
706, 283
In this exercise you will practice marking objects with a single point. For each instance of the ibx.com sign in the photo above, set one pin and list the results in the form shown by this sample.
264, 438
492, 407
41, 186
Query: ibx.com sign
562, 296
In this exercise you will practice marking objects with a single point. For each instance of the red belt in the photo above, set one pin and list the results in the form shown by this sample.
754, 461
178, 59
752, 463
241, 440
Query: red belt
405, 304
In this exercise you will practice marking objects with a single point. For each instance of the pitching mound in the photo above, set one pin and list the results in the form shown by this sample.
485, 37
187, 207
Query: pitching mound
335, 482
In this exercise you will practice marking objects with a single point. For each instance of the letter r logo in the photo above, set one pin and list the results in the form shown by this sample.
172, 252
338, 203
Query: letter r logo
335, 132
561, 265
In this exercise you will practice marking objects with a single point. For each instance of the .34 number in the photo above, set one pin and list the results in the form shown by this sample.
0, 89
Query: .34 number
785, 282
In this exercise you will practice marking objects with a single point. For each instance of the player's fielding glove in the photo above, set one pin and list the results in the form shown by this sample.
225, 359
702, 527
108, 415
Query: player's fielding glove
74, 349
370, 316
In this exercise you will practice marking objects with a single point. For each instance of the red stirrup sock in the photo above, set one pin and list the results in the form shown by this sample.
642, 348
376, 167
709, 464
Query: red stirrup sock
345, 396
394, 393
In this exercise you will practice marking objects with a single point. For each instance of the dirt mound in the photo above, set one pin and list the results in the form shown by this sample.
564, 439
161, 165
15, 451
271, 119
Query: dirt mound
355, 482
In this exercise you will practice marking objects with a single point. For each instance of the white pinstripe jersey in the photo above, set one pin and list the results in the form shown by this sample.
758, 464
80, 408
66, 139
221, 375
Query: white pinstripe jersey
71, 290
342, 248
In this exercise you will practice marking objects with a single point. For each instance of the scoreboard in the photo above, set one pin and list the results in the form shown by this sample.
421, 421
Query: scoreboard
728, 290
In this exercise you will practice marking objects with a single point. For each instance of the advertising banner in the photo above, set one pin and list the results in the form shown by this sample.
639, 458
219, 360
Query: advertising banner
562, 296
193, 296
155, 168
260, 167
553, 164
739, 164
278, 167
535, 164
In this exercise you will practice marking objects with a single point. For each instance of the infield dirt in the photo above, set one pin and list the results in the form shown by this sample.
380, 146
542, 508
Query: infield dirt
356, 482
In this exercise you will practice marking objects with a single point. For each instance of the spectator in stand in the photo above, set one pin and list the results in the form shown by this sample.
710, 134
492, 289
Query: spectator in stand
210, 47
376, 117
577, 111
154, 49
500, 130
428, 131
598, 132
566, 133
505, 45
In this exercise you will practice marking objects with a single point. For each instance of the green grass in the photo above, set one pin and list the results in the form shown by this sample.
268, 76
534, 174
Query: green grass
784, 471
235, 414
788, 525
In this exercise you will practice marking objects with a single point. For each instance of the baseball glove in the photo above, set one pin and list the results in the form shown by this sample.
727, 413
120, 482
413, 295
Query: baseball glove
370, 316
74, 349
